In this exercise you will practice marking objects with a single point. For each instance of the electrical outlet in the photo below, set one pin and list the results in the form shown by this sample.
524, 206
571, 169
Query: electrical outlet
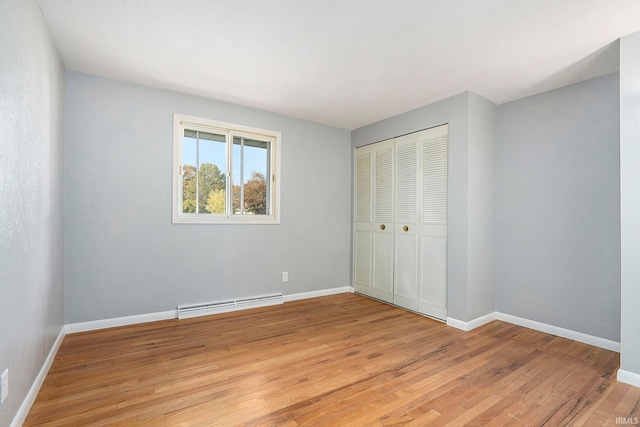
4, 386
285, 276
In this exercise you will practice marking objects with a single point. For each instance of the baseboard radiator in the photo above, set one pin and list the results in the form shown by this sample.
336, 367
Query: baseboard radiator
196, 310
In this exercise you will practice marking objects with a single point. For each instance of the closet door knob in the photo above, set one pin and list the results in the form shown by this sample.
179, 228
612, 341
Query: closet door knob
405, 228
382, 227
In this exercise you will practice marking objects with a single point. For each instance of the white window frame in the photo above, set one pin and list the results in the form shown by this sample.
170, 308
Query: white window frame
182, 121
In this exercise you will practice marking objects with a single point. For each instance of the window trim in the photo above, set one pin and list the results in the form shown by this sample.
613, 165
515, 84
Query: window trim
180, 121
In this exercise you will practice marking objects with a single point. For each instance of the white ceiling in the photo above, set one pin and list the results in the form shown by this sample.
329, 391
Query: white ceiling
345, 63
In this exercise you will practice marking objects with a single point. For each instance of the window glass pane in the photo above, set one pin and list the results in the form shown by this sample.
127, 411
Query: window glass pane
256, 156
236, 175
251, 169
189, 173
211, 173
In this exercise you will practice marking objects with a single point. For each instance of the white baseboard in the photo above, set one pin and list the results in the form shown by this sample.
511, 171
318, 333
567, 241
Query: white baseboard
561, 332
538, 326
472, 324
27, 403
94, 325
628, 378
320, 293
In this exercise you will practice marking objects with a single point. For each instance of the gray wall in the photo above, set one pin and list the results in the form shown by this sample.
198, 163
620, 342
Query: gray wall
31, 261
123, 256
630, 201
558, 241
463, 209
482, 205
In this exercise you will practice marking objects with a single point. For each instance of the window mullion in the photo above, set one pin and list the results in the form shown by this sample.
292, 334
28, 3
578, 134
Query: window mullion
229, 182
197, 171
268, 179
241, 175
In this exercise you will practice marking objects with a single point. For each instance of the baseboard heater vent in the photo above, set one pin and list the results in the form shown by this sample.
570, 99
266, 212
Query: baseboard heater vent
188, 311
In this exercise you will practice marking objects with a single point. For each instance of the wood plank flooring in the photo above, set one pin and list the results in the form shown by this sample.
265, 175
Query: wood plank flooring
342, 360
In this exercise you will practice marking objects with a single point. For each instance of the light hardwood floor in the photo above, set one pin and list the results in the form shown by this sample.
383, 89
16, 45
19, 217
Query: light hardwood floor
342, 360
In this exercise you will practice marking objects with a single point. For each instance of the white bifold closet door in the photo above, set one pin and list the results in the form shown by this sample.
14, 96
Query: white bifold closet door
407, 220
374, 220
400, 242
421, 222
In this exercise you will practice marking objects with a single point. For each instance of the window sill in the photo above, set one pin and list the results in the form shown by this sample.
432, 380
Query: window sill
219, 219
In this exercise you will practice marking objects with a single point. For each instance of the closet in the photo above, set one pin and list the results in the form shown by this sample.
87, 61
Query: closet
400, 221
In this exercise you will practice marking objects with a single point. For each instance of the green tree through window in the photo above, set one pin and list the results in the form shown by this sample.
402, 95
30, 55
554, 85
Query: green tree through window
210, 180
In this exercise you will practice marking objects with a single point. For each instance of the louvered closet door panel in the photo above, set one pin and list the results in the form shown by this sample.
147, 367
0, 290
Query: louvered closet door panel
432, 286
406, 222
383, 221
406, 180
434, 180
363, 238
383, 201
363, 186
